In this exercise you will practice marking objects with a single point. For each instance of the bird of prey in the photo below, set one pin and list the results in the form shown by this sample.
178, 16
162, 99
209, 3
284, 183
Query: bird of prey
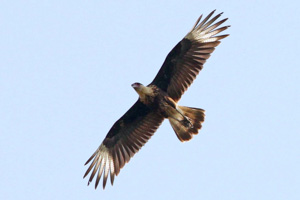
158, 101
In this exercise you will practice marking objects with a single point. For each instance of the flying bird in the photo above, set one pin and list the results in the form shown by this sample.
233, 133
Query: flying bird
158, 101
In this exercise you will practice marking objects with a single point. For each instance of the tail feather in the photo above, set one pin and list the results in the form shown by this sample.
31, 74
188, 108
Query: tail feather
186, 128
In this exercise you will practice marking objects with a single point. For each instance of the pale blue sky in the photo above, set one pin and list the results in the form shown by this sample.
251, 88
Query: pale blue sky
65, 73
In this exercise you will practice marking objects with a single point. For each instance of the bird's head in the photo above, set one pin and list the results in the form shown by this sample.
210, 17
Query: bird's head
137, 86
142, 90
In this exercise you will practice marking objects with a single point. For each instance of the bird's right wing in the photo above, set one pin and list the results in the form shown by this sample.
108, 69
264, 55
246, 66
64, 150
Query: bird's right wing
186, 59
123, 140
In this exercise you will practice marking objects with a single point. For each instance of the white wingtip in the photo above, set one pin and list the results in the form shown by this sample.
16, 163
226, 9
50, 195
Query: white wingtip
203, 31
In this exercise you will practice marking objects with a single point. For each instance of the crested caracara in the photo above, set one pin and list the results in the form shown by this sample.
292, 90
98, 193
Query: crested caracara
158, 101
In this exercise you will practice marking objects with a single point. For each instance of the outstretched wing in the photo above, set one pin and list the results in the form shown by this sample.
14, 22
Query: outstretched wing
186, 59
123, 140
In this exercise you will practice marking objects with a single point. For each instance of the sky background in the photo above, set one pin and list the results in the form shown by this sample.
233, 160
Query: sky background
65, 73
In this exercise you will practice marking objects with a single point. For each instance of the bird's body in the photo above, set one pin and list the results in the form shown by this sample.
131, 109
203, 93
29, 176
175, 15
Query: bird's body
158, 101
185, 121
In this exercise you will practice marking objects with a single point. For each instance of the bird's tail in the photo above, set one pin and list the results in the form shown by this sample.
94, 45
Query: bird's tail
188, 125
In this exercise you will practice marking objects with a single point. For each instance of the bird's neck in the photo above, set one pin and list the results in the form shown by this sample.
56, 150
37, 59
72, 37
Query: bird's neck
146, 94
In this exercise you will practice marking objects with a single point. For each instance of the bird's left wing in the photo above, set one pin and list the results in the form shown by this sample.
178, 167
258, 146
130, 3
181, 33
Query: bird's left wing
124, 139
186, 59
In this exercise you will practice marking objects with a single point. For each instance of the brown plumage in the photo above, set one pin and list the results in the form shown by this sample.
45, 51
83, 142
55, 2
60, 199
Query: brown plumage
184, 132
158, 101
